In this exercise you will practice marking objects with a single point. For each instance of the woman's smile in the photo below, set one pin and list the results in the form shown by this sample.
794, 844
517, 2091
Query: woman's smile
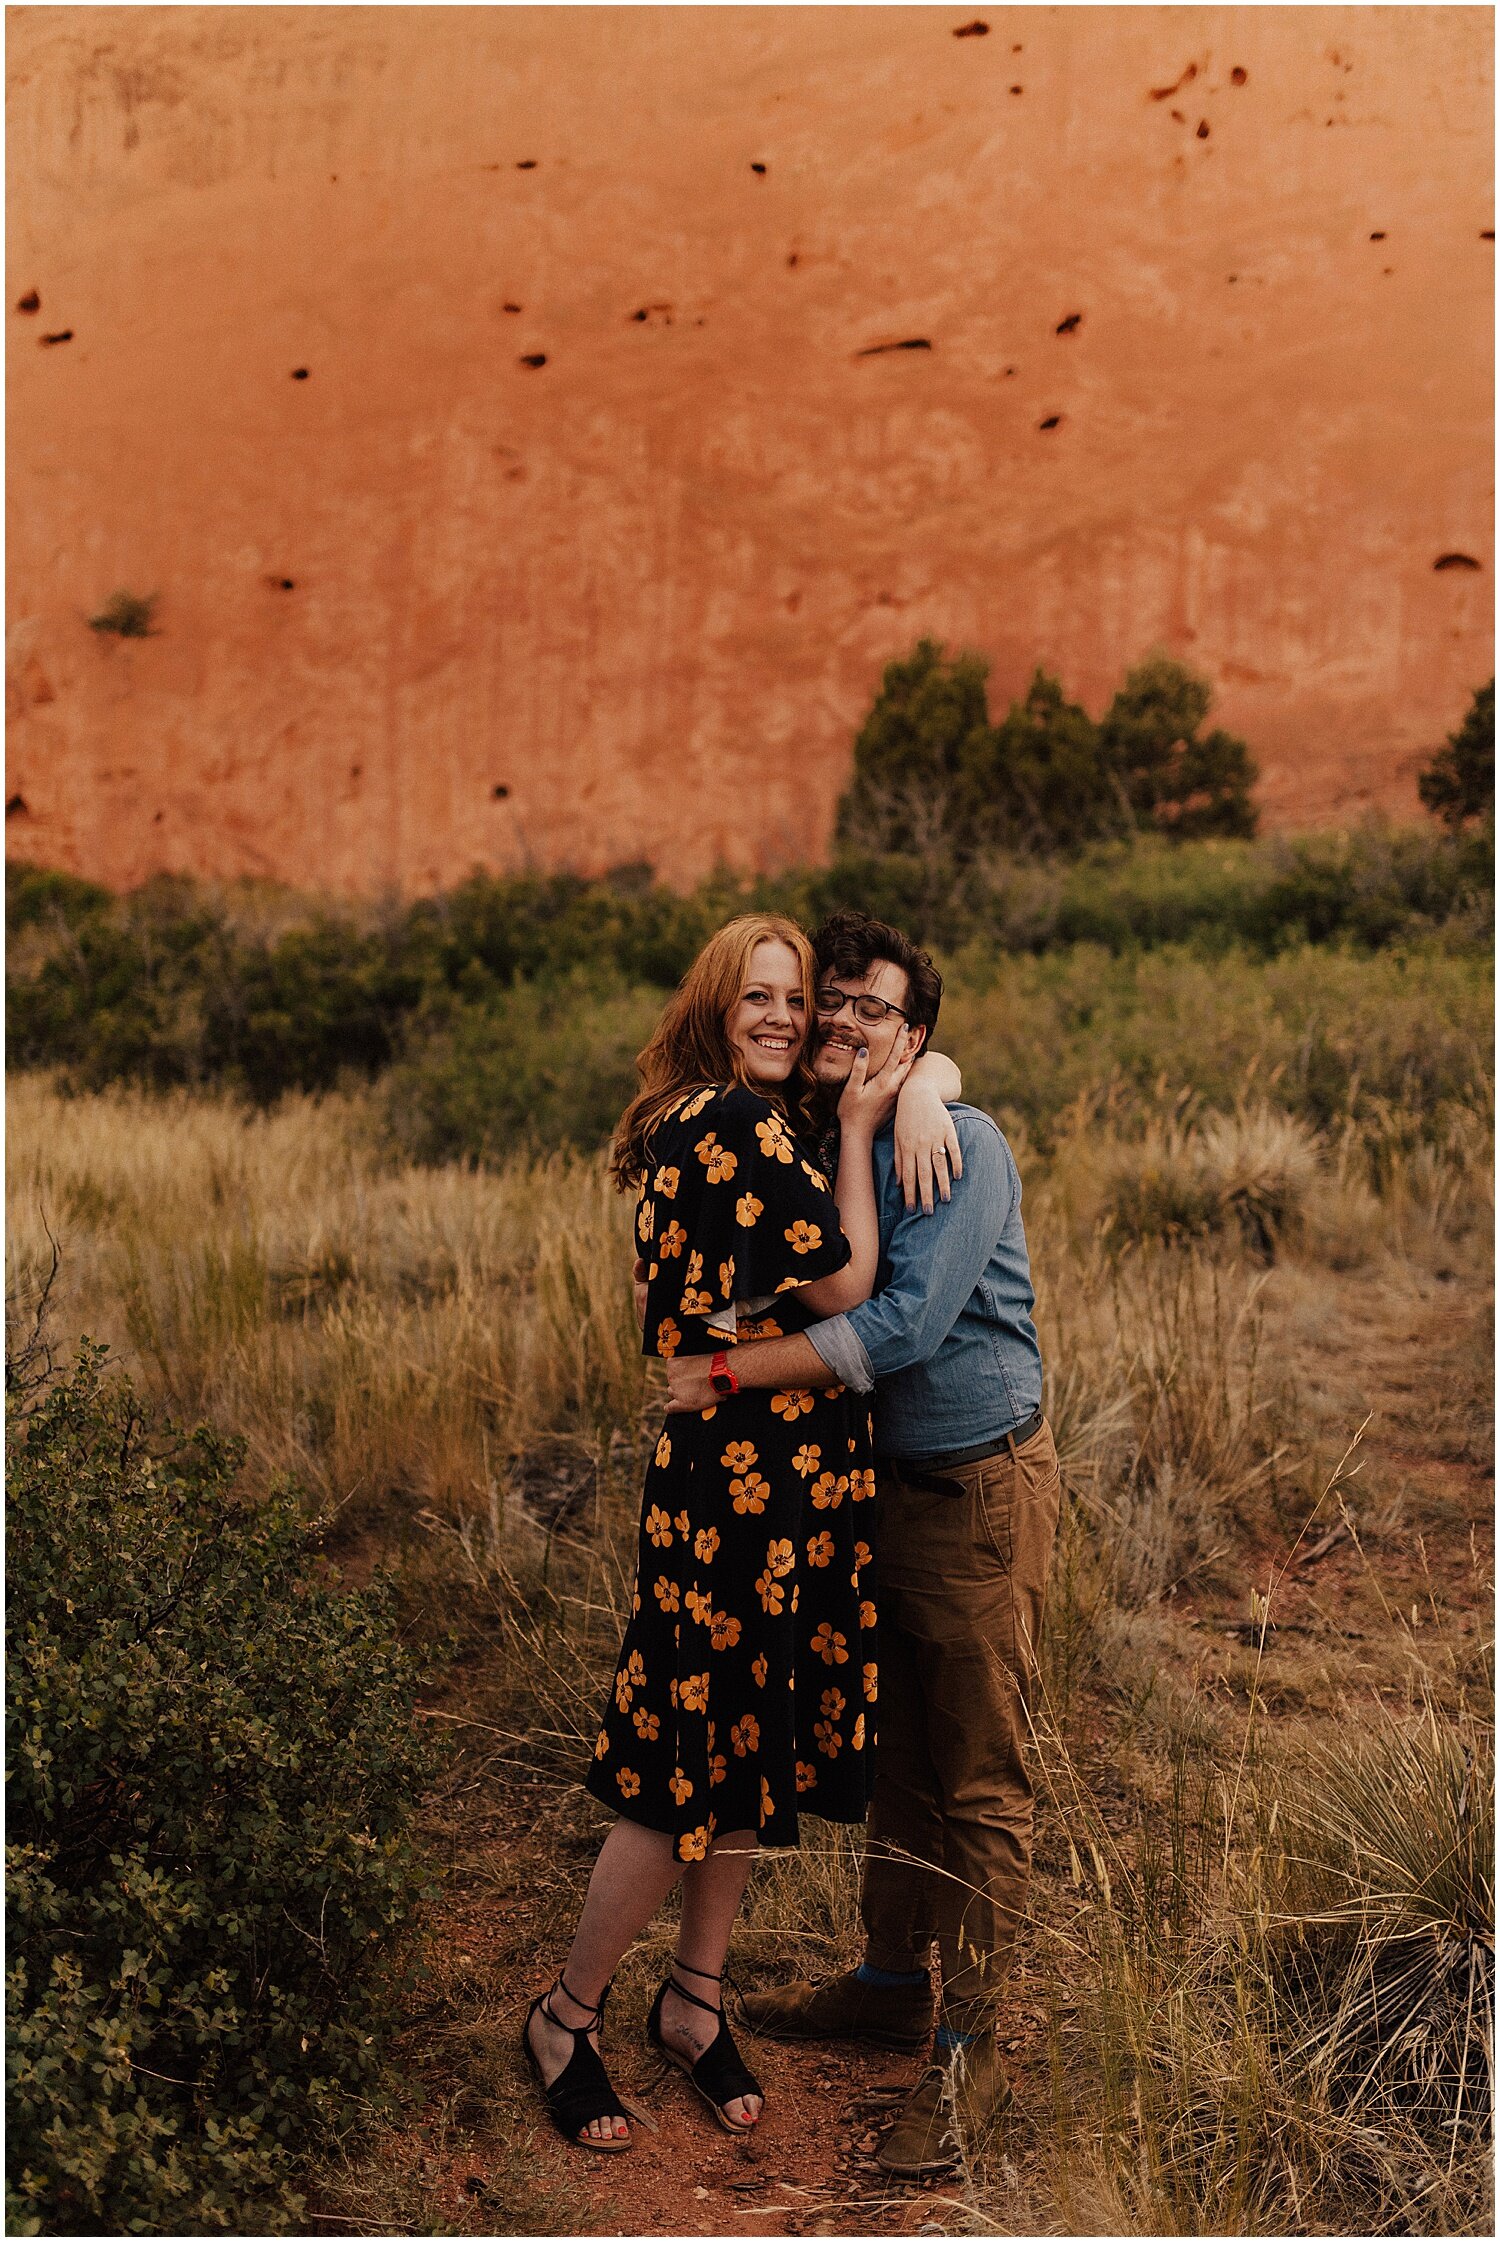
768, 1025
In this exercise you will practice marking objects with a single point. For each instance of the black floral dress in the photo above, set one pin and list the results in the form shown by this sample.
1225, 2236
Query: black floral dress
747, 1677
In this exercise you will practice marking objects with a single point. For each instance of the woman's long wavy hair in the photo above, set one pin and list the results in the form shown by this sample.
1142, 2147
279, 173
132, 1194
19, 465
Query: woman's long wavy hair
691, 1046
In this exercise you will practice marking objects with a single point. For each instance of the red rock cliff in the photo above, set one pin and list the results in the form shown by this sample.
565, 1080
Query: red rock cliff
503, 403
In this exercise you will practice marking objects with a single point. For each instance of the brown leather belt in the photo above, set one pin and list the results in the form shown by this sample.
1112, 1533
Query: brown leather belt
907, 1467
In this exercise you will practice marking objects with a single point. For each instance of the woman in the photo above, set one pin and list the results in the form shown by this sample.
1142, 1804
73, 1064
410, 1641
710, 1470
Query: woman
748, 1661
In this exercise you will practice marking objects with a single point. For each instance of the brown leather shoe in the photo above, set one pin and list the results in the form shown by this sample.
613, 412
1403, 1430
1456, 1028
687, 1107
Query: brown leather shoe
950, 2115
842, 2008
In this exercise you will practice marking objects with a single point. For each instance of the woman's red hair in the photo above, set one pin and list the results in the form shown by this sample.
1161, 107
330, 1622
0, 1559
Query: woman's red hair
691, 1046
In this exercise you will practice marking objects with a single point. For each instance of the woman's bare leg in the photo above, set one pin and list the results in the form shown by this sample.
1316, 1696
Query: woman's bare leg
635, 1871
711, 1893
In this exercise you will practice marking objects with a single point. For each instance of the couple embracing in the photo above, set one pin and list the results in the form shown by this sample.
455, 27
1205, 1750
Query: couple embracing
835, 1612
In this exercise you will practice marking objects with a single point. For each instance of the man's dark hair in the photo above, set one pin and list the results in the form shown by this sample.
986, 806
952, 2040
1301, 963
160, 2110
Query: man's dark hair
851, 942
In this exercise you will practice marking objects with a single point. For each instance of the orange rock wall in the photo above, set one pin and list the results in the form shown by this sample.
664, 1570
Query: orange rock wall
647, 588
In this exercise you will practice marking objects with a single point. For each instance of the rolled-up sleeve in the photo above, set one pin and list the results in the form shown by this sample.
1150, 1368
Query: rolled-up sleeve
843, 1351
936, 1260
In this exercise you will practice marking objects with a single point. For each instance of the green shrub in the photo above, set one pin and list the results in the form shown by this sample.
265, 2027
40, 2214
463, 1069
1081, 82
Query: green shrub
212, 1774
544, 1063
1459, 782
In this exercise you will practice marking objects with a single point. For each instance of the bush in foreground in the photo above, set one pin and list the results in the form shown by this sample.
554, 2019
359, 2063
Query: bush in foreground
212, 1772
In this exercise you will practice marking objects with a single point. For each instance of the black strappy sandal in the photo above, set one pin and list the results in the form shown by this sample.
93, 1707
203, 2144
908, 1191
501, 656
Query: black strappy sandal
581, 2090
719, 2073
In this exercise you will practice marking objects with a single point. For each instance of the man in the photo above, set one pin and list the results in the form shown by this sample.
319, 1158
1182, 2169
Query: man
966, 1510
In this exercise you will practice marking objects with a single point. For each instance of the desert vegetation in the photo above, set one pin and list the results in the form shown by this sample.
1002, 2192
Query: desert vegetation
1254, 1995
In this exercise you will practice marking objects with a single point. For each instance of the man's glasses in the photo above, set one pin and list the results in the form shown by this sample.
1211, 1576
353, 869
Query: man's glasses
870, 1009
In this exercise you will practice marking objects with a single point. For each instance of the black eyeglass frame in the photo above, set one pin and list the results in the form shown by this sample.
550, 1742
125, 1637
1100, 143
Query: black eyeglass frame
862, 996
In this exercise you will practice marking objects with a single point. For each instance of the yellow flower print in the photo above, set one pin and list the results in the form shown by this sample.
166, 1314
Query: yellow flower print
815, 1176
693, 1274
807, 1775
665, 1183
740, 1455
843, 1484
718, 1768
825, 1490
601, 1745
699, 1605
774, 1141
829, 1645
807, 1459
623, 1693
668, 1337
645, 1224
789, 1284
635, 1601
771, 1593
745, 1736
829, 1739
863, 1555
694, 1693
726, 1631
666, 1592
726, 1278
820, 1548
681, 1522
764, 1327
672, 1688
672, 1241
780, 1558
697, 1303
792, 1404
803, 1237
796, 1596
647, 1726
749, 1494
680, 1787
718, 1161
831, 1703
705, 1542
857, 1733
862, 1484
694, 1106
693, 1846
872, 1681
629, 1782
866, 1611
758, 1670
748, 1210
659, 1527
767, 1802
663, 1451
635, 1667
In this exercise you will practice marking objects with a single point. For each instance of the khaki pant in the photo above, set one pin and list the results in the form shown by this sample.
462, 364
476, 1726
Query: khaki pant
962, 1564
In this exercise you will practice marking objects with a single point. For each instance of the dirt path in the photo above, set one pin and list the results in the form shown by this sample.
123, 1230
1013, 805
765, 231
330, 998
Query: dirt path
475, 2153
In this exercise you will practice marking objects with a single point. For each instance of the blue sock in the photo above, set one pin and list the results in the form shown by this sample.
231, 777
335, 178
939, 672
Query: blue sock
944, 2041
869, 1975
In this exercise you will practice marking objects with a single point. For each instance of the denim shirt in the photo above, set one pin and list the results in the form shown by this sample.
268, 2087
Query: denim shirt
947, 1340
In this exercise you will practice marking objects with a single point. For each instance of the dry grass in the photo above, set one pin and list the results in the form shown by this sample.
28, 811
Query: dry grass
1244, 1861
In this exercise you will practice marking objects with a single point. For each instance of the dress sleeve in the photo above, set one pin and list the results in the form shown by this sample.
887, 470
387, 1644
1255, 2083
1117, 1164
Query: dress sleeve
733, 1212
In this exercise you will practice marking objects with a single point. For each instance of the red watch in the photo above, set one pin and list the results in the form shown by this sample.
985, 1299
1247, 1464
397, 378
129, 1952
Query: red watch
720, 1376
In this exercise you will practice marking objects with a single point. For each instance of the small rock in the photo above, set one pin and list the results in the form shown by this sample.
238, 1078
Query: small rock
700, 2195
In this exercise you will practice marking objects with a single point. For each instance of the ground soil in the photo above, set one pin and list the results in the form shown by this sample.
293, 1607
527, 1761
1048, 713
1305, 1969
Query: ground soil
1398, 1577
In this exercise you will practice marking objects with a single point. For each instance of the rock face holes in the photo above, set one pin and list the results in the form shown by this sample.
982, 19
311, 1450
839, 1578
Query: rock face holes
534, 358
31, 301
510, 307
759, 169
792, 261
876, 350
1202, 132
1053, 420
1237, 76
1018, 89
1456, 560
16, 806
1377, 237
974, 30
299, 373
1165, 93
63, 335
1071, 324
1488, 234
527, 163
500, 793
